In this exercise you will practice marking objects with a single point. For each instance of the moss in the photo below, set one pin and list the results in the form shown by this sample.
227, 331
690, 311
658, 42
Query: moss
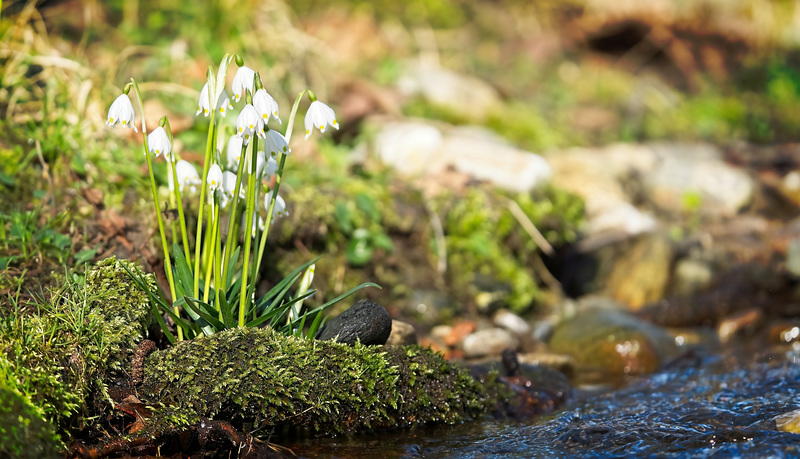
260, 378
24, 432
489, 254
61, 357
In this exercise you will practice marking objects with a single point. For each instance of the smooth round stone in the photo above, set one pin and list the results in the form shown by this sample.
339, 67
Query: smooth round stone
607, 345
365, 321
403, 333
511, 322
491, 341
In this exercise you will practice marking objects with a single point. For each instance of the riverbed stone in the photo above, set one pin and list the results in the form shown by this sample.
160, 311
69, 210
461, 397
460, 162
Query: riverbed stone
512, 322
426, 150
403, 333
641, 274
607, 345
694, 177
490, 341
365, 322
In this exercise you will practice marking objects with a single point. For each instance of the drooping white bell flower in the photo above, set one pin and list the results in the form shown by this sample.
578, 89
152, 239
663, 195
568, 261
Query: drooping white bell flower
214, 178
228, 186
319, 116
280, 205
242, 81
234, 152
249, 124
261, 161
121, 111
257, 220
266, 106
223, 102
271, 168
275, 143
158, 142
187, 176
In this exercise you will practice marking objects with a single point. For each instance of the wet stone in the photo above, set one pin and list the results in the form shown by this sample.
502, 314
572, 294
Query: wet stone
491, 341
365, 321
403, 333
607, 345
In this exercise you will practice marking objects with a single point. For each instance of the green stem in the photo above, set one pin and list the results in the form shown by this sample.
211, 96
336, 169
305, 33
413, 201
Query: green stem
293, 114
232, 239
177, 192
244, 299
263, 242
212, 128
165, 247
213, 222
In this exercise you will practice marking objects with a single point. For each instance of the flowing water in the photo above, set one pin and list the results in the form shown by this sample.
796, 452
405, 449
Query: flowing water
712, 406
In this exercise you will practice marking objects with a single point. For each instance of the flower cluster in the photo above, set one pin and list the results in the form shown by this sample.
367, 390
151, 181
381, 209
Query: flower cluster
245, 184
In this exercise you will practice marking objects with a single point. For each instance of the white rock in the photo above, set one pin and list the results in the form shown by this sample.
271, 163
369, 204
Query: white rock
511, 322
409, 147
466, 95
491, 341
685, 169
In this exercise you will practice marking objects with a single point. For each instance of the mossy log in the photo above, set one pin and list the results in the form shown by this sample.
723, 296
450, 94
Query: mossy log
262, 379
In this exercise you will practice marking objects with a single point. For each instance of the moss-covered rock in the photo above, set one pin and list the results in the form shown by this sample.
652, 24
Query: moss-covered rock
61, 357
24, 433
261, 378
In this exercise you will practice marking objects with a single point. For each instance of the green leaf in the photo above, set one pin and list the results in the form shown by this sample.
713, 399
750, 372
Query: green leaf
367, 205
203, 310
85, 256
343, 216
359, 250
184, 278
382, 241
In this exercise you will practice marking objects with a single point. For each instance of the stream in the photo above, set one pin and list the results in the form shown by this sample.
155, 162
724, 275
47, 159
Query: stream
704, 406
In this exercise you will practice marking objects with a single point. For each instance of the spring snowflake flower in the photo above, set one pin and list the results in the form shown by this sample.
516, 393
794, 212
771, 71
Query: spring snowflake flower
242, 81
158, 142
266, 105
249, 123
121, 111
257, 220
228, 186
275, 143
319, 116
280, 205
271, 168
223, 102
187, 176
261, 161
214, 178
234, 152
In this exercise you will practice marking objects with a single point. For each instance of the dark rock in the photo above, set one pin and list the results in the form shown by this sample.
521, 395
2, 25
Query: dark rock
365, 321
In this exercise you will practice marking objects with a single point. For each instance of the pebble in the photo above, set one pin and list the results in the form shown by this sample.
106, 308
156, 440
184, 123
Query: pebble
512, 322
365, 321
491, 341
403, 333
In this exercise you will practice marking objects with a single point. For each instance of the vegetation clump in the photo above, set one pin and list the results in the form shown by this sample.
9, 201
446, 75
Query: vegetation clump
260, 378
62, 356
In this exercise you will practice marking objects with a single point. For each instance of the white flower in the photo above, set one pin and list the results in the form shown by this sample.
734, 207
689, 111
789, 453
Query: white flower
187, 176
242, 81
280, 205
121, 111
319, 116
223, 102
228, 186
234, 152
249, 123
158, 142
260, 162
266, 105
256, 218
214, 178
275, 143
271, 168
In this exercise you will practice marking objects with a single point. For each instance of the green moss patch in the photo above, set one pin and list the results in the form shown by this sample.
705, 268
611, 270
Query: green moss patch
261, 378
